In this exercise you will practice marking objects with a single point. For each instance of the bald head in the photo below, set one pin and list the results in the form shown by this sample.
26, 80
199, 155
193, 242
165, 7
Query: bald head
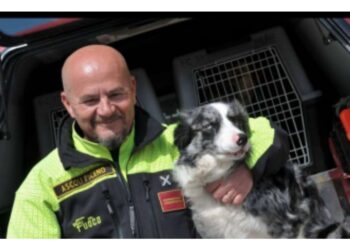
84, 62
99, 93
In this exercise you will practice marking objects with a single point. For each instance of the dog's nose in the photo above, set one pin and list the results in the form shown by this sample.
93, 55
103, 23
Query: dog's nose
242, 139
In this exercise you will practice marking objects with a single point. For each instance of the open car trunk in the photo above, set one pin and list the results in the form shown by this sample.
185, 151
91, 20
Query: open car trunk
277, 67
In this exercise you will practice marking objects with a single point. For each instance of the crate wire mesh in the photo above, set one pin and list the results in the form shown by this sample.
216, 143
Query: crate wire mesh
260, 82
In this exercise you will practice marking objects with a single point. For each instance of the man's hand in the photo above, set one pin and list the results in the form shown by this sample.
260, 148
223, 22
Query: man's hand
234, 188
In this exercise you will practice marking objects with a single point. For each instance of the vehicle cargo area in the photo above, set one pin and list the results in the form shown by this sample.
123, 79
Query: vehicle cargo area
278, 67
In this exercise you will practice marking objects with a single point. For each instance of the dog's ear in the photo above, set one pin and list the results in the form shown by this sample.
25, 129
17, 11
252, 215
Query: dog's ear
238, 107
183, 133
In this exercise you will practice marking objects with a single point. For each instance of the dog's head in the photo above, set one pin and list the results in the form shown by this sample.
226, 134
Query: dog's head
217, 129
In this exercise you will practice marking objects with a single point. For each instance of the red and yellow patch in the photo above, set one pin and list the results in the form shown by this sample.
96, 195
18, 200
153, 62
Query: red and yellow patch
172, 200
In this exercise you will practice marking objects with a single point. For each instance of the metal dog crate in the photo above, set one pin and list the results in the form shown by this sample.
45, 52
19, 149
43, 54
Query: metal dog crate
264, 74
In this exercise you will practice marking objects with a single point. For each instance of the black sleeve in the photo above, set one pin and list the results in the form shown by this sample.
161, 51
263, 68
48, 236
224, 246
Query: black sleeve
274, 158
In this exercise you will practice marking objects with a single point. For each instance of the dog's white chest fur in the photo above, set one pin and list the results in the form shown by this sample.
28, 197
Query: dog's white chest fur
212, 218
215, 220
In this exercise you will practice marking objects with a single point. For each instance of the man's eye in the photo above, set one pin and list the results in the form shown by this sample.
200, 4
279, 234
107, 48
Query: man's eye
117, 96
90, 102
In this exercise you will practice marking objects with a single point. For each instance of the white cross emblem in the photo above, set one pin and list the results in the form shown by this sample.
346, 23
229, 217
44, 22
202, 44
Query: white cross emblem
165, 180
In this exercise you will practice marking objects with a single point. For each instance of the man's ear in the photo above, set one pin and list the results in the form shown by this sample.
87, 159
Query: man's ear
133, 88
66, 103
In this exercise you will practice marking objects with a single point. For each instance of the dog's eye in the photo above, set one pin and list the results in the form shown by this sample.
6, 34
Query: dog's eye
206, 126
202, 127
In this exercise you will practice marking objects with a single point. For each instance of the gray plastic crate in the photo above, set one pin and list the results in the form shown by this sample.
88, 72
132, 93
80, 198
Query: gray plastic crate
263, 73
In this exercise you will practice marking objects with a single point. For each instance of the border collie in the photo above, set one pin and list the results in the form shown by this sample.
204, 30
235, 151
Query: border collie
213, 141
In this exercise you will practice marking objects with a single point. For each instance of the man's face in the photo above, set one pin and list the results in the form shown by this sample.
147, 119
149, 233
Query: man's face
102, 101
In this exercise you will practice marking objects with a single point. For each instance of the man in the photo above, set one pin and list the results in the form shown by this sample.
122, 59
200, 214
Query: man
110, 175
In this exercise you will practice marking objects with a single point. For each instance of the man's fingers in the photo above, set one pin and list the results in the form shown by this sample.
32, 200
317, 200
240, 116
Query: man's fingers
229, 197
234, 188
219, 193
238, 199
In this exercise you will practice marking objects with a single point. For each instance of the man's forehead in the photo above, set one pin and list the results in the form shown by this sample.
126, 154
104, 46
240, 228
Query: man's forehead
97, 90
86, 68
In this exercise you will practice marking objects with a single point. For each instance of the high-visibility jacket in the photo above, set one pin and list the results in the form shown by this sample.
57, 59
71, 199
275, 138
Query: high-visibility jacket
83, 190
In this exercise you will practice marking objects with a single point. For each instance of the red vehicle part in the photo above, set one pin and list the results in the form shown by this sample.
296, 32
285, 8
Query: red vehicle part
344, 116
338, 173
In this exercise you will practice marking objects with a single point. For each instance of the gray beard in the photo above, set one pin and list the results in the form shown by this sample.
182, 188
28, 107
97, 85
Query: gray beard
114, 142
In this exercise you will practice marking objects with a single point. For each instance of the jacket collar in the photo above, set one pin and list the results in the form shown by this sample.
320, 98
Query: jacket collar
146, 130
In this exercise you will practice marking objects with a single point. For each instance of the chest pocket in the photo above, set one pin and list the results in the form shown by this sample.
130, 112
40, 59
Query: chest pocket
95, 213
161, 206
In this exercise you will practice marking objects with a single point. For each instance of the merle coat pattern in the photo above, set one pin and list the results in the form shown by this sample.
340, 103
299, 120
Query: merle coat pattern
213, 140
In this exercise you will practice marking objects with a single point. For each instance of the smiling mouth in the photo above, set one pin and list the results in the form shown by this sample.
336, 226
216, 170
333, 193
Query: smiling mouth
108, 121
239, 153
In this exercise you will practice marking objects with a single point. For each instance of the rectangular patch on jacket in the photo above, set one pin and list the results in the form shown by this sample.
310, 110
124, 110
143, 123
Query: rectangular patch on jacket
83, 180
171, 200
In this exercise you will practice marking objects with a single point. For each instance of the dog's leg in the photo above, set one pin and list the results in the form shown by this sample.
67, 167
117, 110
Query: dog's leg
280, 201
275, 207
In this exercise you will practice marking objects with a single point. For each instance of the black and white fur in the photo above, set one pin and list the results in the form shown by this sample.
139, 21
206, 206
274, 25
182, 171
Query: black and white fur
212, 141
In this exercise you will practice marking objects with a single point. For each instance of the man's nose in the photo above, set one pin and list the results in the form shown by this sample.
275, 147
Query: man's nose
105, 108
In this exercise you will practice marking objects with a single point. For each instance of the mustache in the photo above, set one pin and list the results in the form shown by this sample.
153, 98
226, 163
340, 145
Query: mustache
112, 118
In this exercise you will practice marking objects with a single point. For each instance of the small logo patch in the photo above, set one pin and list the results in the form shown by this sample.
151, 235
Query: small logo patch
165, 180
83, 224
172, 200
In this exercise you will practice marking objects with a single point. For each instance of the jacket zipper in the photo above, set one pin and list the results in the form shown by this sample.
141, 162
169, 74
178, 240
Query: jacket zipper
112, 211
132, 217
132, 222
148, 199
